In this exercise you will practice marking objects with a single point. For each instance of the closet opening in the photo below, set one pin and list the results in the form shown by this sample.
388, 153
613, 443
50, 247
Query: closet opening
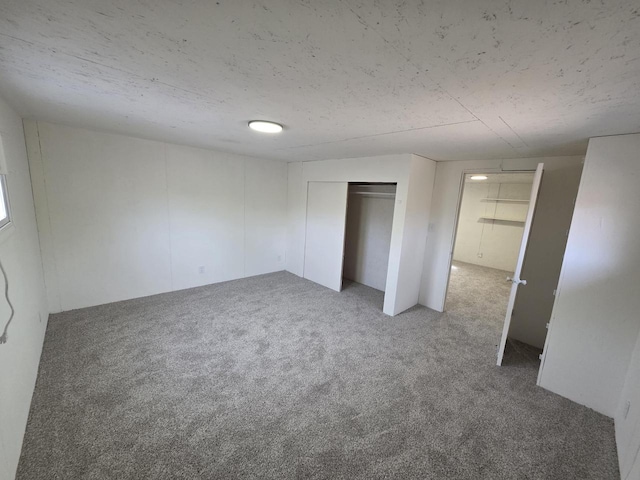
494, 222
369, 220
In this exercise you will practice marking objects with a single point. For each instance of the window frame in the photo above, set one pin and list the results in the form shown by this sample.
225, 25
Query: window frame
5, 199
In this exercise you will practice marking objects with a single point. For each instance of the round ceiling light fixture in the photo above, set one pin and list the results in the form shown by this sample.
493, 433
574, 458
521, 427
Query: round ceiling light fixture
479, 177
265, 126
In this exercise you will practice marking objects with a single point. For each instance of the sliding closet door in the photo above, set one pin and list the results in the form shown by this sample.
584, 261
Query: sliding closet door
324, 246
516, 281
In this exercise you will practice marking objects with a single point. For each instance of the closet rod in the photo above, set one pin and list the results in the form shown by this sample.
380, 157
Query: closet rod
374, 194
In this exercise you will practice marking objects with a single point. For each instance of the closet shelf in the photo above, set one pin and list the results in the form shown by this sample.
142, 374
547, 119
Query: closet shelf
503, 219
514, 200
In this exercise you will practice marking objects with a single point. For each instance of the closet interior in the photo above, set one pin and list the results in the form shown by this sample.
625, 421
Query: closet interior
369, 221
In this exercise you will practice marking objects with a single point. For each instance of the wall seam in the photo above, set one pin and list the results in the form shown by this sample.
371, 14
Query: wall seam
244, 217
46, 195
168, 209
33, 199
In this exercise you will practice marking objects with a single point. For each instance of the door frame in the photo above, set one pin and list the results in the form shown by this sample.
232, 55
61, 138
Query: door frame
395, 184
452, 245
457, 218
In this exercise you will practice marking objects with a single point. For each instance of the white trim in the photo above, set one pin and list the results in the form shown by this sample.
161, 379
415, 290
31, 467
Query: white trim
3, 157
4, 198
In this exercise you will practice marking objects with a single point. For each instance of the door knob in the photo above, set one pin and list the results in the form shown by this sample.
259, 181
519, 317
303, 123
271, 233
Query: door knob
516, 281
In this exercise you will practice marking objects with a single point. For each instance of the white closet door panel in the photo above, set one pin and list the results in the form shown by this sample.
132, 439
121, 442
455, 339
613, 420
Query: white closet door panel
326, 219
516, 281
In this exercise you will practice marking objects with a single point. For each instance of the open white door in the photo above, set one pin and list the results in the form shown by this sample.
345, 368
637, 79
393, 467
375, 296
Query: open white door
516, 281
326, 220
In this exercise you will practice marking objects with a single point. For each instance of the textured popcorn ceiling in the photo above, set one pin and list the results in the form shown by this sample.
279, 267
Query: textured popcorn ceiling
449, 80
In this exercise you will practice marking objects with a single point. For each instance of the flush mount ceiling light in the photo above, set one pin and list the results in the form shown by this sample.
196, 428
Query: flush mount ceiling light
478, 177
265, 126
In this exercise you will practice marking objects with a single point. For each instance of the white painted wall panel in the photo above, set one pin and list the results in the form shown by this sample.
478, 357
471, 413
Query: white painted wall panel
265, 216
206, 211
368, 239
595, 323
121, 217
419, 192
470, 227
296, 212
107, 203
635, 470
20, 256
627, 419
497, 242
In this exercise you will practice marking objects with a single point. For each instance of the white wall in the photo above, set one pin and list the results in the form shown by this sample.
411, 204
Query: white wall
410, 219
296, 218
416, 226
368, 238
446, 193
627, 420
265, 200
20, 255
595, 322
498, 243
121, 217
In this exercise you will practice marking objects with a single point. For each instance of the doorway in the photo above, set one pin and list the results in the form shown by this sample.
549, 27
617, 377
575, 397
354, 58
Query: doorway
369, 221
494, 221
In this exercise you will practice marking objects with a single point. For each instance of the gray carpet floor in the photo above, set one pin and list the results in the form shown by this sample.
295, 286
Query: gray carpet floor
480, 291
276, 377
